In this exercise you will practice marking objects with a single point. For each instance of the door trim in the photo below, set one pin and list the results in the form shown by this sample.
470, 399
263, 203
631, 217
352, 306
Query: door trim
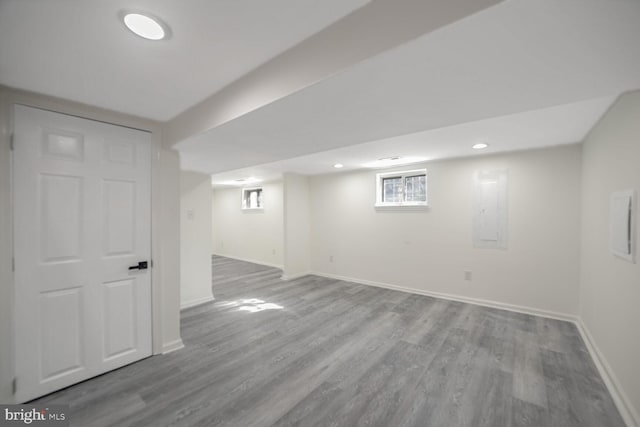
164, 227
82, 172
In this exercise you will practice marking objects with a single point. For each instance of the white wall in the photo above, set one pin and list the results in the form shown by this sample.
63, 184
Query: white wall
610, 287
165, 226
428, 251
195, 239
166, 247
297, 231
254, 236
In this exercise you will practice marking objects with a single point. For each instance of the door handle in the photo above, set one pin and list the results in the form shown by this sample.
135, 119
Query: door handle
142, 265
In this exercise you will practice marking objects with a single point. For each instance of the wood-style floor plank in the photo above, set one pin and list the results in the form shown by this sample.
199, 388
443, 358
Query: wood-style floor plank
322, 352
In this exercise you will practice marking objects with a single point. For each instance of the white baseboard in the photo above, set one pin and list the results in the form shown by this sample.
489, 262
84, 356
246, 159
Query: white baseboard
459, 298
197, 301
624, 405
295, 276
172, 346
253, 261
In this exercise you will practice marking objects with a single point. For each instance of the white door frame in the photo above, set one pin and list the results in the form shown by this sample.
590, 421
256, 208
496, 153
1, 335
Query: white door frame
165, 317
82, 219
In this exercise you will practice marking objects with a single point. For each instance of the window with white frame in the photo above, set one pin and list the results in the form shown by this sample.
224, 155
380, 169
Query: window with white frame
403, 188
252, 198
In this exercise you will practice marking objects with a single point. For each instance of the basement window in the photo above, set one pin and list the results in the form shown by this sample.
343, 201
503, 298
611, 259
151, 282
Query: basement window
252, 198
402, 189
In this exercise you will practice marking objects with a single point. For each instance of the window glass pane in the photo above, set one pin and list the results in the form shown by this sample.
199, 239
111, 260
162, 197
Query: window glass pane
252, 198
392, 189
416, 188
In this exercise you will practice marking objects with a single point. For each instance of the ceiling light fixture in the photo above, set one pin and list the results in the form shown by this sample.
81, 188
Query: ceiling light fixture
338, 165
145, 25
480, 146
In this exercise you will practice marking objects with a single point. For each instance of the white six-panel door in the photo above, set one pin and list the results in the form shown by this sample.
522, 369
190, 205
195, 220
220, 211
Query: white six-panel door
81, 219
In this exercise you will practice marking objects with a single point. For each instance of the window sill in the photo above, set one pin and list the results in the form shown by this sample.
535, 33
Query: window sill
401, 208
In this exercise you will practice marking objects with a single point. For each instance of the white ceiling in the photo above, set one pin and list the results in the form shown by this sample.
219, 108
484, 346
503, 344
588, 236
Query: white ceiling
78, 49
522, 74
518, 56
565, 124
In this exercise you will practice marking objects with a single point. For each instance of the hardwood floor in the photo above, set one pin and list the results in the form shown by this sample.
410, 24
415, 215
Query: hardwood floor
321, 352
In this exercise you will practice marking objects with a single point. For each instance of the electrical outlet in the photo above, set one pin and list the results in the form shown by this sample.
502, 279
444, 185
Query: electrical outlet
467, 275
330, 258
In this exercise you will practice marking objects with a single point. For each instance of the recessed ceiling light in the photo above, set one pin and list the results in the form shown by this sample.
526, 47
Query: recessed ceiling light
480, 146
338, 165
145, 26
